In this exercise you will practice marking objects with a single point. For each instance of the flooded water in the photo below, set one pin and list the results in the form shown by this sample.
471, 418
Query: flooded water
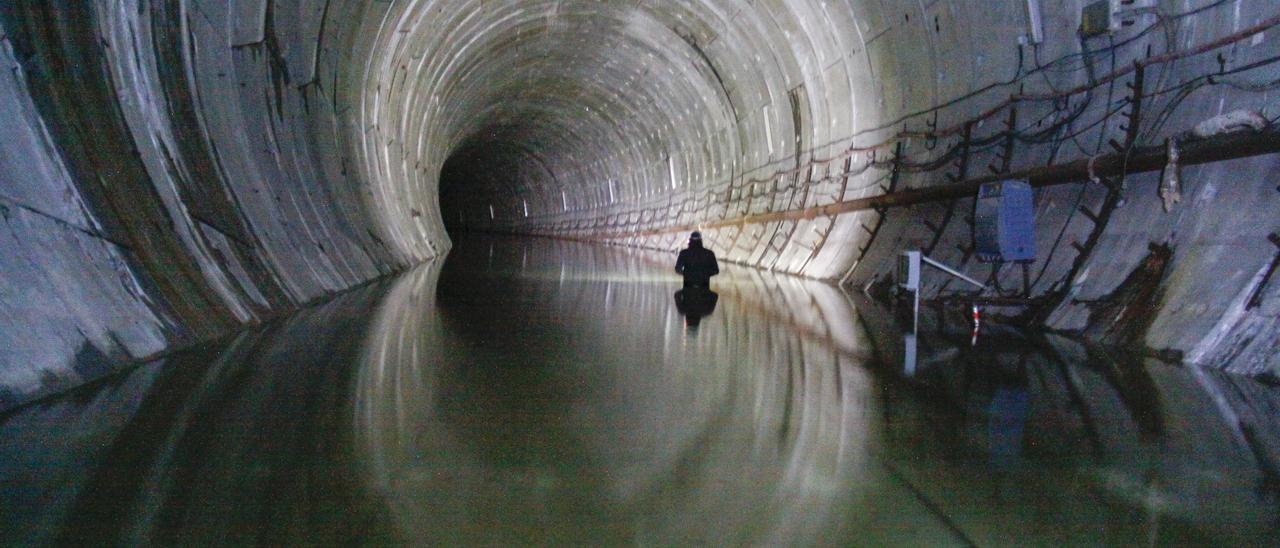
551, 393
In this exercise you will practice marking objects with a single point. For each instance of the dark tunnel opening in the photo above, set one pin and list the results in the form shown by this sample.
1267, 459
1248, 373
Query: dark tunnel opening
491, 177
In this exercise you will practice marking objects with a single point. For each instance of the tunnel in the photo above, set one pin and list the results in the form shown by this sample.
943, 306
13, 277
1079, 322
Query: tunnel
399, 272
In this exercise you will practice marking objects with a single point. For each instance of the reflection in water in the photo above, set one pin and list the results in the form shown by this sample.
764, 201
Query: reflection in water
569, 409
695, 303
240, 442
540, 392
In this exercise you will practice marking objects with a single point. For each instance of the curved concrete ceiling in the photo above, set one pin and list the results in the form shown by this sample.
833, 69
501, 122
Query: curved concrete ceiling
173, 170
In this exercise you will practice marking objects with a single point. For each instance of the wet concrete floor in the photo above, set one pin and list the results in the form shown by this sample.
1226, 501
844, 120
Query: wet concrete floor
537, 392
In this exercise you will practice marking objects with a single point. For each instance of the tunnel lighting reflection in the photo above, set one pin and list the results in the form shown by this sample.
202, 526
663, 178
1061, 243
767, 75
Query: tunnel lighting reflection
640, 434
544, 392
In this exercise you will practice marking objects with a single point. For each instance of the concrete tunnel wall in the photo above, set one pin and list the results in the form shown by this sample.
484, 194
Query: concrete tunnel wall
175, 170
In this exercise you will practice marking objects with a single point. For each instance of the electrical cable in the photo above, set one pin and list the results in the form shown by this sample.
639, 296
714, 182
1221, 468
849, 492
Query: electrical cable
1064, 128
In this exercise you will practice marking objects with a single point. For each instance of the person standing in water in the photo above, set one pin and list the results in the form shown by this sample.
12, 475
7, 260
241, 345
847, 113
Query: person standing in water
697, 264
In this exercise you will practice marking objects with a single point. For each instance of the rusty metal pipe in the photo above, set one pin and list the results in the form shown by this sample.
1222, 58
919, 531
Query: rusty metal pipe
1139, 160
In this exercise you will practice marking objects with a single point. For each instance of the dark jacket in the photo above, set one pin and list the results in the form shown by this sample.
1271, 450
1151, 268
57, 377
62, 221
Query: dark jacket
697, 264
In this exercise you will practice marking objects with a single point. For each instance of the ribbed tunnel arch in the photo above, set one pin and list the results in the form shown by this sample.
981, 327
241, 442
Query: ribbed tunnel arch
174, 170
617, 105
600, 105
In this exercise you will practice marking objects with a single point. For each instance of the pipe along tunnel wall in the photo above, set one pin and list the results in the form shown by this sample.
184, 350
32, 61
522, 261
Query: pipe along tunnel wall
174, 170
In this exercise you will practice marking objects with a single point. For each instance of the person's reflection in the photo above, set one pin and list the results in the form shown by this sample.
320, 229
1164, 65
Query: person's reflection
695, 303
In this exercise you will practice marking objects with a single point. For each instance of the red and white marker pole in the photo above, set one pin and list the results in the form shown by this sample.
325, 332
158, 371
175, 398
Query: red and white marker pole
977, 323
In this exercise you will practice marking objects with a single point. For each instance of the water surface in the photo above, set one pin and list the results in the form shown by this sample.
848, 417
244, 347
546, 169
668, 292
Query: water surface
540, 392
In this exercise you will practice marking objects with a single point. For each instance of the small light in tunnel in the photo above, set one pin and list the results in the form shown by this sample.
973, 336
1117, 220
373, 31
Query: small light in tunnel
526, 207
490, 212
564, 201
768, 128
